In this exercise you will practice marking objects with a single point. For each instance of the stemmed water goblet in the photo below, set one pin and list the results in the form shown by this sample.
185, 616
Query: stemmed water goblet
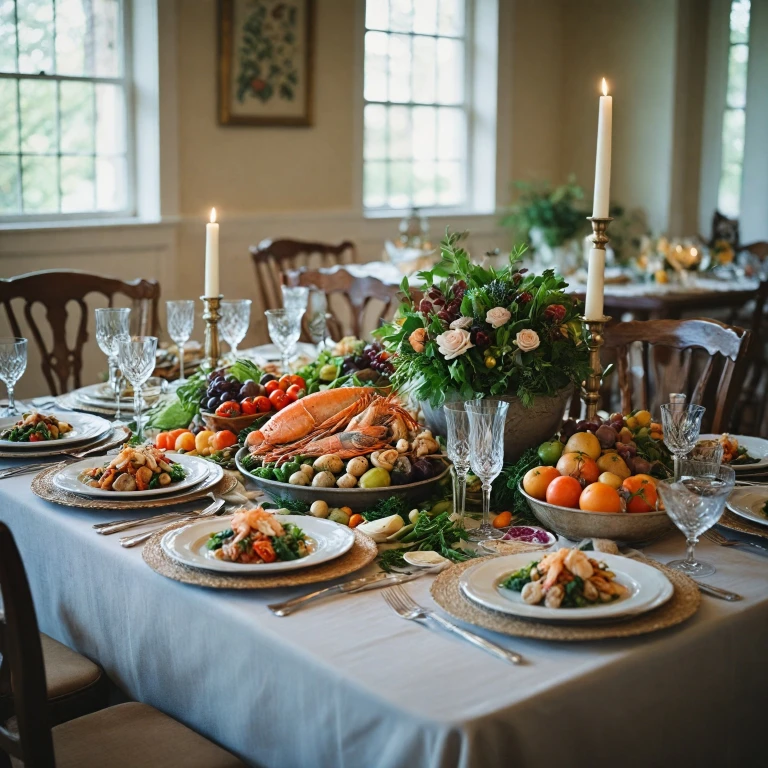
317, 320
457, 424
695, 502
235, 319
112, 325
486, 454
13, 363
295, 297
136, 355
284, 330
181, 320
681, 423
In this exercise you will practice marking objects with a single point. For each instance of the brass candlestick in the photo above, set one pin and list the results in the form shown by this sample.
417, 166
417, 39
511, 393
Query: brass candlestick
595, 327
211, 315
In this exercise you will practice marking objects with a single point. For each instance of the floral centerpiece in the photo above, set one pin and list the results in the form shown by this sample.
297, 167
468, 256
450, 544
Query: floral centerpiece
485, 332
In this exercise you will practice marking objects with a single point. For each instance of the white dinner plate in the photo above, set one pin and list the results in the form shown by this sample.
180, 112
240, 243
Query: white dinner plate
757, 448
748, 503
648, 588
197, 470
187, 545
85, 427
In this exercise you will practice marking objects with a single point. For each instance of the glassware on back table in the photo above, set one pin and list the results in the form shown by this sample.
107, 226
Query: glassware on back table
681, 424
235, 319
181, 321
136, 355
13, 363
112, 325
295, 297
457, 422
284, 330
317, 318
695, 502
486, 445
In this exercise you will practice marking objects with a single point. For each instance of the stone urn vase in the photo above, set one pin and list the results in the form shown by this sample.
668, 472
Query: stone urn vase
525, 427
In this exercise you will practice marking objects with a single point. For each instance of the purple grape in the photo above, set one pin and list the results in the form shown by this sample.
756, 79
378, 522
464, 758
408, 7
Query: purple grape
581, 426
212, 404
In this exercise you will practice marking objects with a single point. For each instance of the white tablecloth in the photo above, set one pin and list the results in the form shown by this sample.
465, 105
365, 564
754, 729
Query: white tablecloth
348, 684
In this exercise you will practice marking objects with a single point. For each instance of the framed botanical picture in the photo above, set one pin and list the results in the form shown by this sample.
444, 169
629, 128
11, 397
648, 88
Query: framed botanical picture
265, 62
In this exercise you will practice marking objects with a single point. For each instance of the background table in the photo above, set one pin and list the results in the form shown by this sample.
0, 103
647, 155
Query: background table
349, 684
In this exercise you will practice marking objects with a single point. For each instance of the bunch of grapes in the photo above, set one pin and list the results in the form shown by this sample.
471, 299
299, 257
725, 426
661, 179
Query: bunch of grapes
224, 387
446, 307
373, 356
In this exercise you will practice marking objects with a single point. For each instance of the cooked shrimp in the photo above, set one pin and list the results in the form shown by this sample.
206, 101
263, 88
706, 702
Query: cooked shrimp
554, 597
555, 568
578, 564
532, 593
246, 520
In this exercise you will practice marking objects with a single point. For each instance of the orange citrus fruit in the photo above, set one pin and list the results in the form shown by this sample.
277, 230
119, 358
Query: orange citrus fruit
642, 492
564, 492
537, 479
580, 466
600, 497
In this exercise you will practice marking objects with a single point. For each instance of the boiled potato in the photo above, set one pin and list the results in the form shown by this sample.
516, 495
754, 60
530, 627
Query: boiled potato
323, 479
330, 463
357, 466
347, 481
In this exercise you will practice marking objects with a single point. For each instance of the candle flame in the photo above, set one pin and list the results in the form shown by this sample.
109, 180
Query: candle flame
213, 215
694, 252
605, 88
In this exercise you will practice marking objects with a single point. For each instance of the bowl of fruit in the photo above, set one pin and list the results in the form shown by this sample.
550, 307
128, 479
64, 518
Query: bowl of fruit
598, 480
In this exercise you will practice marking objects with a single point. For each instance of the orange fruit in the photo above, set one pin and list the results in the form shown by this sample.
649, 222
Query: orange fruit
224, 439
502, 520
564, 492
600, 497
584, 442
652, 480
185, 442
642, 492
537, 480
580, 466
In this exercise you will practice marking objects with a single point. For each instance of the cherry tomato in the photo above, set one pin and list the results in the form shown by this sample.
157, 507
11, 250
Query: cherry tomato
263, 405
224, 439
298, 380
279, 399
284, 382
271, 386
294, 392
163, 441
185, 442
35, 438
248, 406
355, 520
228, 410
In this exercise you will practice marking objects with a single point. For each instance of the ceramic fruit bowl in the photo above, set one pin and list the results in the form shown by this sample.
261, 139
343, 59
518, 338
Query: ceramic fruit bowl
234, 424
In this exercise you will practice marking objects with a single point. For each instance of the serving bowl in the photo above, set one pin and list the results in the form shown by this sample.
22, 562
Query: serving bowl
357, 499
576, 524
234, 424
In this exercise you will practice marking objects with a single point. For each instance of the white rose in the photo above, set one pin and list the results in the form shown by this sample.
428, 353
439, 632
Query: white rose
453, 343
462, 322
497, 316
527, 340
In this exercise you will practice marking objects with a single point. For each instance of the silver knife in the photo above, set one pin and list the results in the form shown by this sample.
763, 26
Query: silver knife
722, 594
356, 585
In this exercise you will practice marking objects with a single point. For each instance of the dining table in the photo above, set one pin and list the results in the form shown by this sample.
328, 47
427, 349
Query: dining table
348, 683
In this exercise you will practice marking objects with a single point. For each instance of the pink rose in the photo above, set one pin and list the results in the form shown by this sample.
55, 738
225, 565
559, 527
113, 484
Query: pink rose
453, 343
418, 339
497, 316
462, 322
527, 340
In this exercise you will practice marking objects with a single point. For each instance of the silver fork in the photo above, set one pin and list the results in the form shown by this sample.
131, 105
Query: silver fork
118, 526
718, 538
212, 510
400, 601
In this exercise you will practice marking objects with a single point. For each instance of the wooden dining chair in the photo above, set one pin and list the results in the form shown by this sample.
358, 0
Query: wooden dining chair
356, 312
125, 736
56, 291
273, 258
680, 356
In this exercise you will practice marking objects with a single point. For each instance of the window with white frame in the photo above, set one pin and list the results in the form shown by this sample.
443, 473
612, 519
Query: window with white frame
734, 115
417, 110
64, 148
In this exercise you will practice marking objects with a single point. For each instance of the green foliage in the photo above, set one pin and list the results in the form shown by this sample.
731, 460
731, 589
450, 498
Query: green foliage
517, 580
179, 411
296, 506
386, 508
505, 493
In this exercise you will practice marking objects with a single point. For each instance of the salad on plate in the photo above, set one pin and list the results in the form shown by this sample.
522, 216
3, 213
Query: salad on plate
139, 468
35, 427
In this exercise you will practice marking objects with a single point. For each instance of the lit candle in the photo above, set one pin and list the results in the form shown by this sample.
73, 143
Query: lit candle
603, 159
212, 257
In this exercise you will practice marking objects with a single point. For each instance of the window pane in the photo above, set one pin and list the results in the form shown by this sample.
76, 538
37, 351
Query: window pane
424, 184
729, 192
375, 132
77, 184
399, 68
399, 184
40, 184
375, 66
425, 17
106, 37
399, 133
9, 185
77, 129
424, 73
740, 21
450, 71
111, 180
110, 119
375, 185
451, 135
451, 18
38, 117
7, 36
35, 36
423, 136
377, 14
401, 15
9, 130
737, 76
73, 38
449, 184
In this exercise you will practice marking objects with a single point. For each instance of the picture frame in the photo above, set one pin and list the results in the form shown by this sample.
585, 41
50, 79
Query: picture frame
266, 62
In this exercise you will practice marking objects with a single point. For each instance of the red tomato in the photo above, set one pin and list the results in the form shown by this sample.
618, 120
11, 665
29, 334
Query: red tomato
262, 404
163, 441
279, 399
173, 434
284, 382
298, 380
271, 386
248, 406
265, 550
35, 438
228, 410
294, 392
224, 439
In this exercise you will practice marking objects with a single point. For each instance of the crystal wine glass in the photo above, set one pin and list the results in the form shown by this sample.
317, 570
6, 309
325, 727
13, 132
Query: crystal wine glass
295, 297
486, 454
136, 355
317, 320
13, 363
457, 422
235, 319
681, 424
695, 502
284, 330
181, 320
112, 325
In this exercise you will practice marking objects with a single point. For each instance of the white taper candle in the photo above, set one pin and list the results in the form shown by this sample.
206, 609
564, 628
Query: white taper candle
212, 256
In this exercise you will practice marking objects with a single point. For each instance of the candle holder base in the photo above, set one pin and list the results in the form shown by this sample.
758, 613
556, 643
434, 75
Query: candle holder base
591, 394
212, 315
